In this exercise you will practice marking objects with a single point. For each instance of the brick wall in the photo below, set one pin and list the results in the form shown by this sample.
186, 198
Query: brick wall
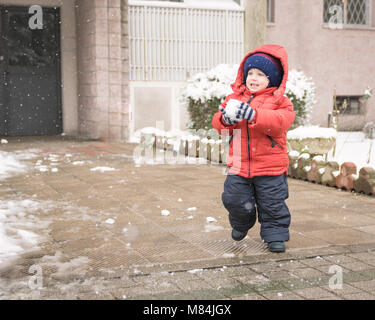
102, 112
125, 93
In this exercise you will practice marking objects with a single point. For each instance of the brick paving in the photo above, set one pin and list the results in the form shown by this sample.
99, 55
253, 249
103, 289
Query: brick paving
104, 235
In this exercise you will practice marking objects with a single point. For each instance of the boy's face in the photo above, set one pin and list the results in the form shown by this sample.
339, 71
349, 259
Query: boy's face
256, 80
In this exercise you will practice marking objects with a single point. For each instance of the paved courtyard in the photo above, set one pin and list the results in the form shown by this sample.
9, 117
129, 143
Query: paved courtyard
111, 229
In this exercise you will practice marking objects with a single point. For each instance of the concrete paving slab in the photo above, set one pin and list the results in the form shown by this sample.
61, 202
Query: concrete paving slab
106, 226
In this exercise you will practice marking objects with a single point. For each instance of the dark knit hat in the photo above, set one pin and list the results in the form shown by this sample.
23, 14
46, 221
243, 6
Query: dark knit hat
270, 65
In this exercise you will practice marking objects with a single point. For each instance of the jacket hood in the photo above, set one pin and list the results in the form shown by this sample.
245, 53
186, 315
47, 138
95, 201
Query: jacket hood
275, 50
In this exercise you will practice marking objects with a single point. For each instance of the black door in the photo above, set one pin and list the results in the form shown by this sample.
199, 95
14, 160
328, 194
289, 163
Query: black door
30, 93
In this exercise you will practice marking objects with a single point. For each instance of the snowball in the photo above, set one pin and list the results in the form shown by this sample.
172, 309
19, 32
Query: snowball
165, 212
211, 219
110, 221
231, 109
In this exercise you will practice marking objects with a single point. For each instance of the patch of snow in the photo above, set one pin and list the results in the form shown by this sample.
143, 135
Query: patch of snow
318, 158
10, 163
294, 153
353, 147
24, 224
78, 163
211, 219
304, 156
165, 212
210, 227
195, 271
110, 221
76, 265
102, 169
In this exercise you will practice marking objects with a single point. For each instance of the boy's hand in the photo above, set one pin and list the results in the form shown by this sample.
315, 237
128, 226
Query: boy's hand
245, 112
228, 119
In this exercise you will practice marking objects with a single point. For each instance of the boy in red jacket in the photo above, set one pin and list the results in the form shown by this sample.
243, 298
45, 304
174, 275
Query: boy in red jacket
256, 116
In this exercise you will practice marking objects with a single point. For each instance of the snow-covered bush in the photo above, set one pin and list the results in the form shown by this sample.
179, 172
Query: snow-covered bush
205, 92
301, 91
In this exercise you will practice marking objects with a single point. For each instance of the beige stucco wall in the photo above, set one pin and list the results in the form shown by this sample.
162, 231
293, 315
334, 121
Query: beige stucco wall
343, 58
68, 58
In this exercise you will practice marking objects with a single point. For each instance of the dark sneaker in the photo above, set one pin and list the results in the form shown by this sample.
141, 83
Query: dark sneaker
238, 235
276, 246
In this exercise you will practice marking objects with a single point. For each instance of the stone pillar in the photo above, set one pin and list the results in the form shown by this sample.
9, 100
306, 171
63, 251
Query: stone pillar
255, 24
100, 68
125, 69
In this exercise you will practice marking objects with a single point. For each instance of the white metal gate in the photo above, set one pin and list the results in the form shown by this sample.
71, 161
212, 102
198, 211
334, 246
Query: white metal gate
173, 43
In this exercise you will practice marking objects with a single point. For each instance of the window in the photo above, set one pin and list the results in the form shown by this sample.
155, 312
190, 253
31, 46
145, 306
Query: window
349, 104
271, 11
347, 12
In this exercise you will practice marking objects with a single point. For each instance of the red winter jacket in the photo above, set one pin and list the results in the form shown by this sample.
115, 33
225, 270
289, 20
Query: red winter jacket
260, 146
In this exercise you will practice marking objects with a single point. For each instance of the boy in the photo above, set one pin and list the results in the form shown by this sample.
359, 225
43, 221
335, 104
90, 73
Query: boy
257, 172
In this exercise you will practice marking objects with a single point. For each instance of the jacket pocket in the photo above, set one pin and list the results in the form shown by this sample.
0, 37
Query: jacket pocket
274, 143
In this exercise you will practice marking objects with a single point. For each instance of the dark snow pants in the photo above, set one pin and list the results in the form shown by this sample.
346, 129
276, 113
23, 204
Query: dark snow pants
243, 197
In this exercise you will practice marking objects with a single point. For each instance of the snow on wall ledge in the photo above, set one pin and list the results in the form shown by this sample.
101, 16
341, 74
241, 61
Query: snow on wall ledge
312, 132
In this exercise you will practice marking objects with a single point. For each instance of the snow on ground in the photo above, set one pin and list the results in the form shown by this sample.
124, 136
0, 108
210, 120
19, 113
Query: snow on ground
17, 218
353, 147
24, 223
11, 162
22, 226
103, 169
